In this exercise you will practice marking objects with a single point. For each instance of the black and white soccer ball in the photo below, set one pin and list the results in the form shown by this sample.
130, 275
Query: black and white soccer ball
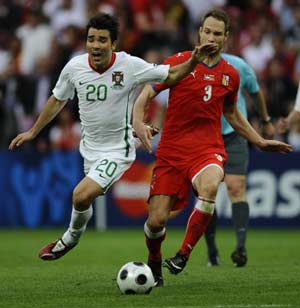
135, 278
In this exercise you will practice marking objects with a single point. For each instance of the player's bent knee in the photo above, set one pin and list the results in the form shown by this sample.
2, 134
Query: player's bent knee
157, 222
237, 191
82, 200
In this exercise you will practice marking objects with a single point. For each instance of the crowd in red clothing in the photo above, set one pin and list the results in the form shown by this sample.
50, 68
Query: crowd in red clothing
37, 38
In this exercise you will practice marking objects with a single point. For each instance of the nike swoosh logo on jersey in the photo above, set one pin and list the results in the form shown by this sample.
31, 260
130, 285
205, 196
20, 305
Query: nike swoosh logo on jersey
83, 82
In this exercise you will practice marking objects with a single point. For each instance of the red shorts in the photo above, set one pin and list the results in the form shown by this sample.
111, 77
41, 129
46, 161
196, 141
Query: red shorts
175, 178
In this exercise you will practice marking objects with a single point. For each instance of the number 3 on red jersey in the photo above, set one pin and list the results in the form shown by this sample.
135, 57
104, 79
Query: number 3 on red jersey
208, 93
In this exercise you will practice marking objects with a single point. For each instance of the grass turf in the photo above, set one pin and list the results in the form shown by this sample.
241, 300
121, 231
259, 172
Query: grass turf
86, 276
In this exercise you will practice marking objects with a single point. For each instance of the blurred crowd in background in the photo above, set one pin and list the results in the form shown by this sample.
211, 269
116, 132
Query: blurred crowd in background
38, 37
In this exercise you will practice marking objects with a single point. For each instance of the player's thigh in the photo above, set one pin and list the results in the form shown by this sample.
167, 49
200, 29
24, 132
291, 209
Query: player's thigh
108, 168
207, 181
170, 182
159, 209
236, 186
237, 154
236, 166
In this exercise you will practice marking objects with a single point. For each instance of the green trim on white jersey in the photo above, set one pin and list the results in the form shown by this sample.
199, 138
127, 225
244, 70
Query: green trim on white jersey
106, 100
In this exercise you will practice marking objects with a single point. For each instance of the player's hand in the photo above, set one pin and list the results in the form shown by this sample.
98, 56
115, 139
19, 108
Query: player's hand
275, 146
144, 133
268, 130
20, 139
203, 51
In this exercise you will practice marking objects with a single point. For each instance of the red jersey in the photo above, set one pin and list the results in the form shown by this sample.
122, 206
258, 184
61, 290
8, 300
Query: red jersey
192, 125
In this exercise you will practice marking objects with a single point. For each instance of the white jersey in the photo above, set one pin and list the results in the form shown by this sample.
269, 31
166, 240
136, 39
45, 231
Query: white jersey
106, 99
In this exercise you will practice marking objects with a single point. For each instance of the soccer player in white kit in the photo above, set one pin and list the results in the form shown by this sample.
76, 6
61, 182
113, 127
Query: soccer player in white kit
107, 84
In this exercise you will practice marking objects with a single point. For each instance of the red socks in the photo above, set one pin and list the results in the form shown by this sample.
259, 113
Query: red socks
197, 224
154, 247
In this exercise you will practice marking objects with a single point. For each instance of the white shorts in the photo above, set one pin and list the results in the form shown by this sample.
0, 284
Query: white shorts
108, 168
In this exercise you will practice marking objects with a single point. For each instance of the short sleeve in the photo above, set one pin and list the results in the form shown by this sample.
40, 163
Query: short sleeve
145, 72
64, 89
172, 61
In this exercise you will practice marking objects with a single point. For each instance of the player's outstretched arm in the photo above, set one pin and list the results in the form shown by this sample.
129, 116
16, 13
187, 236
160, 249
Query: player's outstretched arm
50, 110
179, 71
143, 131
243, 127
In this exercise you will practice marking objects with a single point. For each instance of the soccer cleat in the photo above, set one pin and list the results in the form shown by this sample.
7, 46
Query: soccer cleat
54, 250
239, 257
158, 281
213, 260
176, 264
156, 271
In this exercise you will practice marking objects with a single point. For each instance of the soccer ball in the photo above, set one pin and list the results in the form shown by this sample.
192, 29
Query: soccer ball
135, 278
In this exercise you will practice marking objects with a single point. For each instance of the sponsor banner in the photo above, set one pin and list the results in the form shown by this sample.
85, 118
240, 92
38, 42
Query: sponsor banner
36, 191
273, 193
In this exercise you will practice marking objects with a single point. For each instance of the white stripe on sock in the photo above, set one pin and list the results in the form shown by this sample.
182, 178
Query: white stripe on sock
153, 235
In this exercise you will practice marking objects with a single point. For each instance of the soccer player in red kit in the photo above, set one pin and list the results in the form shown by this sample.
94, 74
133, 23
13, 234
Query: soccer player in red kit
191, 149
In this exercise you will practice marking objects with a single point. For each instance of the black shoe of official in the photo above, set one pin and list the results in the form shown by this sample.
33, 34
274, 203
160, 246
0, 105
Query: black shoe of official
157, 274
176, 264
239, 257
213, 260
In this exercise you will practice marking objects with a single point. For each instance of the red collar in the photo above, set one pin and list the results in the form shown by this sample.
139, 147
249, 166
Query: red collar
112, 61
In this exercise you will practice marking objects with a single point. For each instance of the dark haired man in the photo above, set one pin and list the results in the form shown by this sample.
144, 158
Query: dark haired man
106, 83
191, 148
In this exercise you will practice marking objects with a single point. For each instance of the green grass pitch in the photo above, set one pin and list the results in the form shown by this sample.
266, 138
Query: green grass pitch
86, 276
